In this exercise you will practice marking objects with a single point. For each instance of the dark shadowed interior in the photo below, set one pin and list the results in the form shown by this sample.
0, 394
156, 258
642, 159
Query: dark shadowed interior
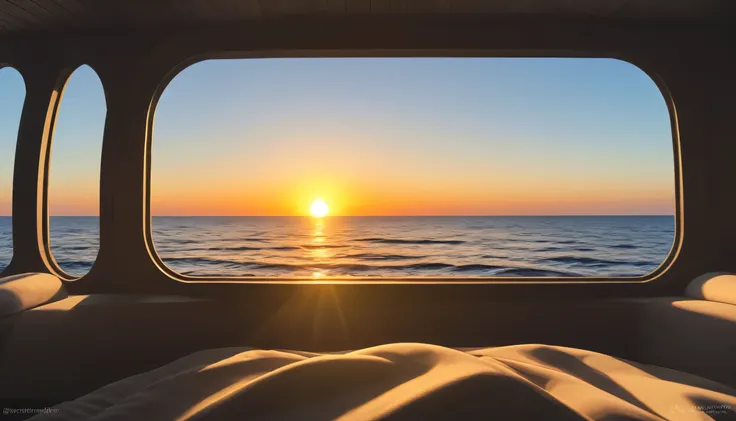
62, 338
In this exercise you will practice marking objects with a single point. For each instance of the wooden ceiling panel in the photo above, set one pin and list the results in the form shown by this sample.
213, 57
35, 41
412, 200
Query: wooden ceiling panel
65, 15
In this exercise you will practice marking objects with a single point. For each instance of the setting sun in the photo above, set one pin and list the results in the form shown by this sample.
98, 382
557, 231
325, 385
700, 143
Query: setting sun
319, 208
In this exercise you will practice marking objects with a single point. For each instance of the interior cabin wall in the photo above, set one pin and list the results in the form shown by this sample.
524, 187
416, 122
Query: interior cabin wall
692, 63
100, 338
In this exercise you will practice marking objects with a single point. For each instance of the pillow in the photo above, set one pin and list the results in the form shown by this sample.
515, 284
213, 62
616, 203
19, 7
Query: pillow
28, 290
720, 287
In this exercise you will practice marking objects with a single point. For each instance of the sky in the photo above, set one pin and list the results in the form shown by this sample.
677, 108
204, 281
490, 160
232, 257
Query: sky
377, 136
76, 147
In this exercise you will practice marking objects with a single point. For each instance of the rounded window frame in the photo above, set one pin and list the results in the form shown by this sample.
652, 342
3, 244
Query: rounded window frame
54, 108
4, 65
658, 81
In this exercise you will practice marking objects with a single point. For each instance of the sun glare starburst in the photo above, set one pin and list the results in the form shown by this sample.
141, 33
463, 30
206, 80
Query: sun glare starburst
319, 208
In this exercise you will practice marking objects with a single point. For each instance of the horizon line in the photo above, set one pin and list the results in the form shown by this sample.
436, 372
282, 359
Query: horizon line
374, 216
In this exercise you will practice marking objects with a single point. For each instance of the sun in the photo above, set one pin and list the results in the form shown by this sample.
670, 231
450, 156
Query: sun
319, 208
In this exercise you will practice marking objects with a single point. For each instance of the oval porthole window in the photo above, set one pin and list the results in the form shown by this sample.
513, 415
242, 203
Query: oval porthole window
74, 173
12, 95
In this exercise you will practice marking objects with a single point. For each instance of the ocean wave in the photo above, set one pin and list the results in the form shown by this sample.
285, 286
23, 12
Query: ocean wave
553, 248
80, 267
213, 266
272, 266
422, 266
240, 248
623, 246
477, 267
346, 268
534, 272
214, 274
568, 249
80, 248
176, 241
350, 268
198, 261
553, 241
74, 266
590, 261
251, 248
322, 246
250, 239
403, 241
374, 256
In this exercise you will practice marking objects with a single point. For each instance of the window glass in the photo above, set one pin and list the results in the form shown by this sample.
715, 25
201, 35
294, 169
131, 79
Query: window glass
412, 167
74, 179
12, 95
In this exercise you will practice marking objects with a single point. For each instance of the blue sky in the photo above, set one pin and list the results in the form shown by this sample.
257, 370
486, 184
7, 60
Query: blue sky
378, 136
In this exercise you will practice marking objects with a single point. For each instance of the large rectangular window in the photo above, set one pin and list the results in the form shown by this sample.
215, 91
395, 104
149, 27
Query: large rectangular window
413, 167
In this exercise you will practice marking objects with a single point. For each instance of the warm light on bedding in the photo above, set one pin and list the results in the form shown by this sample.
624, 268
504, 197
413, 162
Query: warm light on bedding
406, 382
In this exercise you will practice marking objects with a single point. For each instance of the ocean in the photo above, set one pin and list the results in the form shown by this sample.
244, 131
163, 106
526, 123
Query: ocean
452, 246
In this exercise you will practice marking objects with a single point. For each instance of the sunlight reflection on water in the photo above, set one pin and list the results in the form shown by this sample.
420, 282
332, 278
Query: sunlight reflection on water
384, 246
